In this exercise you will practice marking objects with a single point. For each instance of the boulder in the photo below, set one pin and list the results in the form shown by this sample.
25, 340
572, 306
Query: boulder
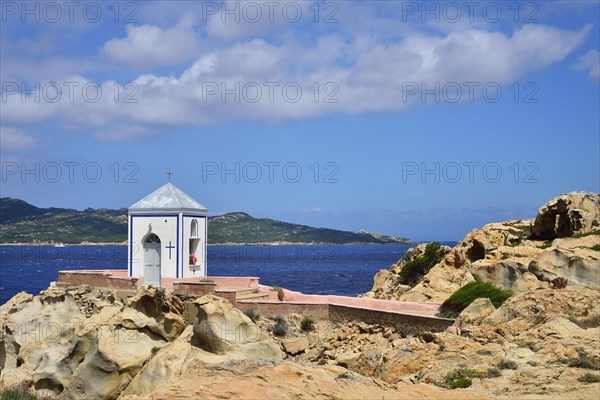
571, 259
40, 345
566, 215
220, 334
381, 284
476, 312
157, 310
347, 358
540, 305
527, 282
503, 273
81, 343
221, 328
295, 346
113, 357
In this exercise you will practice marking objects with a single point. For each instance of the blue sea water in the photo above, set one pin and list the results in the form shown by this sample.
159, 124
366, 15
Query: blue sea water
313, 269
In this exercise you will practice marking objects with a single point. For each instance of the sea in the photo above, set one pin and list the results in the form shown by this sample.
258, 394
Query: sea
346, 270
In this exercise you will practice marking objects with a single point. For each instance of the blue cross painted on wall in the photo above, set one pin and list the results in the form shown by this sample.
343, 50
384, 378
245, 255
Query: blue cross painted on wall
170, 247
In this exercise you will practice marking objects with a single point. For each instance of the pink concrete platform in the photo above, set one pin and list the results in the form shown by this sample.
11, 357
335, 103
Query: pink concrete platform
233, 284
362, 302
221, 281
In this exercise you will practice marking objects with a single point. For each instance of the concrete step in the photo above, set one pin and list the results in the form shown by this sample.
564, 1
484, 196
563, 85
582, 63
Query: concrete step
233, 289
253, 296
237, 281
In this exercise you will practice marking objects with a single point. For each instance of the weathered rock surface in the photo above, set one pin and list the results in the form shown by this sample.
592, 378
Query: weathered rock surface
572, 259
567, 215
157, 310
542, 305
540, 331
219, 333
511, 256
260, 379
223, 329
83, 343
386, 284
476, 312
295, 346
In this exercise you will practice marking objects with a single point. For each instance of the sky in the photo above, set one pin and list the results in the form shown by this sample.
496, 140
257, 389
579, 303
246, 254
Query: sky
417, 119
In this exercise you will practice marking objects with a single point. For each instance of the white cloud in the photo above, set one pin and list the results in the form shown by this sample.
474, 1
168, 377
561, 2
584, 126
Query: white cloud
589, 62
367, 76
12, 139
149, 46
312, 210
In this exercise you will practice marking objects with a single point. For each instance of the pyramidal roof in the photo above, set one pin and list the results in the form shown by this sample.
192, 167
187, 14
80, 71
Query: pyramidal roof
168, 198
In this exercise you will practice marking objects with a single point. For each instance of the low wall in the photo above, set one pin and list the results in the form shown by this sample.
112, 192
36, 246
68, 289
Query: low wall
237, 281
231, 296
67, 278
316, 311
194, 288
405, 324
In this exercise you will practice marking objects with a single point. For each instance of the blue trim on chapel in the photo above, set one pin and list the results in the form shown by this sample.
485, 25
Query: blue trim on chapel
131, 216
177, 255
131, 246
180, 242
184, 216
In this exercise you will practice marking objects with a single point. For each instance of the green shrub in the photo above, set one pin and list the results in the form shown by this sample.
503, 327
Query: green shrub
596, 247
559, 283
507, 364
535, 347
307, 324
16, 393
428, 337
461, 377
280, 292
440, 349
413, 271
253, 315
281, 327
580, 235
468, 293
460, 383
160, 300
588, 377
484, 352
545, 245
583, 361
493, 373
585, 323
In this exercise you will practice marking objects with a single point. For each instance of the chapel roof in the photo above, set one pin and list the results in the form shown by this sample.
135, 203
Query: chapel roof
168, 198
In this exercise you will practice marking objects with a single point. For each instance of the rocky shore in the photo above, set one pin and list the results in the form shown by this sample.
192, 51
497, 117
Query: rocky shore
542, 343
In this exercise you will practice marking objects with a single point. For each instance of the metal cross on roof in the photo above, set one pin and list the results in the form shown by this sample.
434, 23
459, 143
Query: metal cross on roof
169, 173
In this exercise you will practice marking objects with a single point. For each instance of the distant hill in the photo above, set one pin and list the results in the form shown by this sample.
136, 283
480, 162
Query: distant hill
21, 222
240, 227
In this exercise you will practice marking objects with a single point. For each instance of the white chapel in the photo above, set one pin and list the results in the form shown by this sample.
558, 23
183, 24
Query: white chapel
167, 236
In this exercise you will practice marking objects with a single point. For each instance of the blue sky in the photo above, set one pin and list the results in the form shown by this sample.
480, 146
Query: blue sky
418, 119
